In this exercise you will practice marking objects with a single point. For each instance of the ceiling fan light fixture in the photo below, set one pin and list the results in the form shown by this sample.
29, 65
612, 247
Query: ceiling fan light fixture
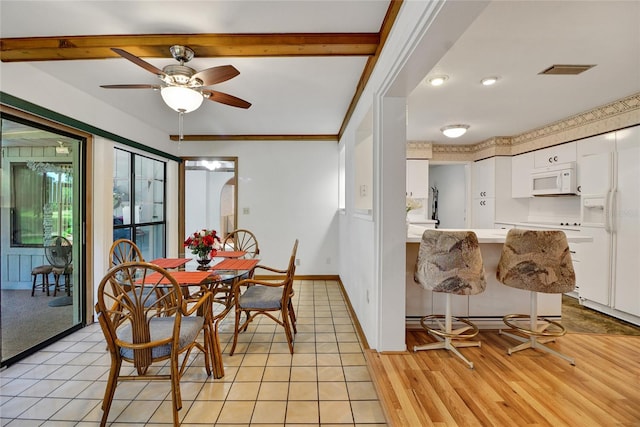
454, 131
181, 99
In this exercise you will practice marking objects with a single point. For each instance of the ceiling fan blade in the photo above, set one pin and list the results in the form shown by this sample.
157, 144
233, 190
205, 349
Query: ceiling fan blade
141, 86
139, 62
213, 75
224, 98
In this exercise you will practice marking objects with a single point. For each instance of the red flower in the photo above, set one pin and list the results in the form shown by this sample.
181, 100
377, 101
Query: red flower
203, 242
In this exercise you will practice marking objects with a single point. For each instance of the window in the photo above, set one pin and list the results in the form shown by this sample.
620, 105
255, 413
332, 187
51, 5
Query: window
138, 202
41, 201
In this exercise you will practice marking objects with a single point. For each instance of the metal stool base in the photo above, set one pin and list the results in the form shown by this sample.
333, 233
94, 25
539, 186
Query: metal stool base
448, 338
536, 336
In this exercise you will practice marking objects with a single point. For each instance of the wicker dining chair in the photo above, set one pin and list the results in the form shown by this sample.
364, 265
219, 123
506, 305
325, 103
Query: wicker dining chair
242, 240
124, 250
144, 334
269, 298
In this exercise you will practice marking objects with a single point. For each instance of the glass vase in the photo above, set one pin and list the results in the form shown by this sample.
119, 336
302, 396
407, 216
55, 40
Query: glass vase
203, 262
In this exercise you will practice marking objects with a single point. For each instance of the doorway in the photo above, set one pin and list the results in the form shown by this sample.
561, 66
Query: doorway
42, 250
451, 182
210, 195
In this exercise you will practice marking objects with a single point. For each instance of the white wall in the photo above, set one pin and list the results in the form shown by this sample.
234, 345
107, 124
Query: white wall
291, 191
372, 248
451, 182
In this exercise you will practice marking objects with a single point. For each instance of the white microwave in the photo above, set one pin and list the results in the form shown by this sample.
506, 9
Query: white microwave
557, 180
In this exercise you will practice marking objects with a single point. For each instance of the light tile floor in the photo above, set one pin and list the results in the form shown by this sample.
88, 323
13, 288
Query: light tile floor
325, 383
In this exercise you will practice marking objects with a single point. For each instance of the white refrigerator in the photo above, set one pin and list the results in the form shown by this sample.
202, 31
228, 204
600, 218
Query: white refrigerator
610, 213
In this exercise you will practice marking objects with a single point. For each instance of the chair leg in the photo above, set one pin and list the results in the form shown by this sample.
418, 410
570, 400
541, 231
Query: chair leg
287, 329
236, 332
448, 342
109, 392
33, 288
45, 283
292, 316
534, 340
176, 398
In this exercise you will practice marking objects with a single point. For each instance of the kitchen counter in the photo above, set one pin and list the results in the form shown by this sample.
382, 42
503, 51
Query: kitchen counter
490, 235
485, 309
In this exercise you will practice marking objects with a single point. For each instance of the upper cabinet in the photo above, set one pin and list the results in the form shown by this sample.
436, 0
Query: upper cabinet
483, 178
418, 179
491, 193
563, 153
521, 166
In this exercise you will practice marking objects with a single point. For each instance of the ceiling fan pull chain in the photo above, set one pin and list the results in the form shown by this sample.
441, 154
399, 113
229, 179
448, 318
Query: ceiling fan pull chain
180, 126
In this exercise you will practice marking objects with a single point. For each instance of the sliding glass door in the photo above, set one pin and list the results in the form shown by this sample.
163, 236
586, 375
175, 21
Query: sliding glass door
41, 247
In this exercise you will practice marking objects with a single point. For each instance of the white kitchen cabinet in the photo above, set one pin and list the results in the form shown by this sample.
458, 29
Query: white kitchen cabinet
563, 153
491, 194
418, 179
521, 166
483, 212
483, 178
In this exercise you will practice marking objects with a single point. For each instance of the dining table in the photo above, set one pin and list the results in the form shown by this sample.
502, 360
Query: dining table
219, 280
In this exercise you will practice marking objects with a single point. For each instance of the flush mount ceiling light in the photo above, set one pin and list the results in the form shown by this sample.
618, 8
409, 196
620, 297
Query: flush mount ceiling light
489, 81
454, 131
437, 80
181, 99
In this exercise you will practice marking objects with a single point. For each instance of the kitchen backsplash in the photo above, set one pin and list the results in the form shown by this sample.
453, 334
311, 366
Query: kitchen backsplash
554, 209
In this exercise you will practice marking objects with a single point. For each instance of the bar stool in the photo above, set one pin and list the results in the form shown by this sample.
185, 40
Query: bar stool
44, 271
536, 261
450, 262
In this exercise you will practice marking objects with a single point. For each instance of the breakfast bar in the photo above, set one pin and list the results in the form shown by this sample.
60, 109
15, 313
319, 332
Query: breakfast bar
486, 309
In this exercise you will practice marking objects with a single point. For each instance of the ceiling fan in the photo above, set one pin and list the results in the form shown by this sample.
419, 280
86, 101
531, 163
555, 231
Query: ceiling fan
183, 88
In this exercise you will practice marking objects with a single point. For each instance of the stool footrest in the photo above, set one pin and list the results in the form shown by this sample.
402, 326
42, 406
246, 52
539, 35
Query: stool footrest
460, 333
542, 331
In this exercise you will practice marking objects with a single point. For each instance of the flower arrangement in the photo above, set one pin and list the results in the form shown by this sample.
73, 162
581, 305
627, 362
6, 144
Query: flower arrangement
203, 242
413, 204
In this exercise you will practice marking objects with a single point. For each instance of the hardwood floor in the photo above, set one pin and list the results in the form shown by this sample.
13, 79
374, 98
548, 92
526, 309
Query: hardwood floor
532, 388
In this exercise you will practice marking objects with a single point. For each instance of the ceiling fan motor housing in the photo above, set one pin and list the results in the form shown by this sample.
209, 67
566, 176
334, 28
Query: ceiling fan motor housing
179, 74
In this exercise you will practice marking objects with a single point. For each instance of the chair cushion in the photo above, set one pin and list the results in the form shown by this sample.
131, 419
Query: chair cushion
62, 270
42, 269
261, 297
537, 260
162, 328
450, 262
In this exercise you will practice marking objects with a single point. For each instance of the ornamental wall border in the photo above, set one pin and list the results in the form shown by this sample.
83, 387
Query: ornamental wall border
615, 115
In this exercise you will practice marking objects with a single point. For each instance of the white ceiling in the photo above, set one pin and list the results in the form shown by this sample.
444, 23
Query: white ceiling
514, 40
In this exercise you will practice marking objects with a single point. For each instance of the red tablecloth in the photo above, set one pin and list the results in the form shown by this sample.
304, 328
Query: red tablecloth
170, 262
231, 254
236, 264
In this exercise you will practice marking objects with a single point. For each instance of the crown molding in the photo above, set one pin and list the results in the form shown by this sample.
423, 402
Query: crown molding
606, 118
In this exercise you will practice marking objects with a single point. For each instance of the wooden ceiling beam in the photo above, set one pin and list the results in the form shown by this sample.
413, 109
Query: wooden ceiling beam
205, 45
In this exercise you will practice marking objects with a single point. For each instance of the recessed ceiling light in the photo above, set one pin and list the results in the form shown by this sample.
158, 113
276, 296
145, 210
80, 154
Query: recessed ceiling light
488, 81
437, 80
454, 131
